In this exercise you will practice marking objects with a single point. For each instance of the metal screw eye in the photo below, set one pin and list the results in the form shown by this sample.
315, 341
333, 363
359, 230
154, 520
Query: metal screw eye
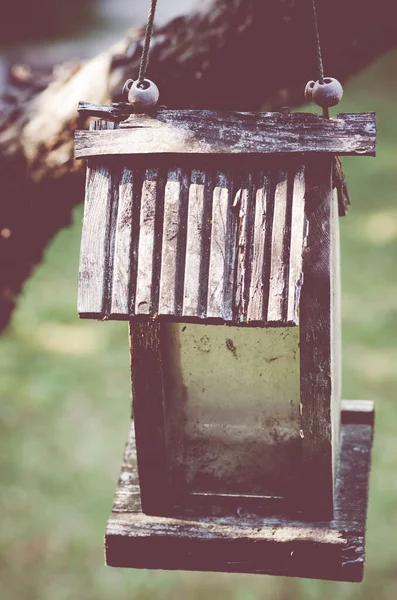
143, 95
329, 93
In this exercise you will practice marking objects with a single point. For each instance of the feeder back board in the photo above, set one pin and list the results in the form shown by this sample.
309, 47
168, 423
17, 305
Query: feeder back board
216, 235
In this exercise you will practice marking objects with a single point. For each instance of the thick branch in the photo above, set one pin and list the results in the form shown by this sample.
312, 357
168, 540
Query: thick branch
235, 54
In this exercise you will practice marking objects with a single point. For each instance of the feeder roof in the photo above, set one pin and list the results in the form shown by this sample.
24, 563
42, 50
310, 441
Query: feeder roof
201, 216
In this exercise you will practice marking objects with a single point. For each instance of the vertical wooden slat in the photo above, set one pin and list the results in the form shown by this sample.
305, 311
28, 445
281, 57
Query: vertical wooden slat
93, 271
194, 245
244, 201
277, 286
220, 248
122, 246
181, 242
146, 248
296, 247
138, 177
158, 239
149, 419
256, 297
230, 274
171, 235
315, 342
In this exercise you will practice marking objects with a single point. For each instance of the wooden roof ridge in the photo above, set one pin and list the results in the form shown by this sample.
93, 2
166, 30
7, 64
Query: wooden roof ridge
231, 132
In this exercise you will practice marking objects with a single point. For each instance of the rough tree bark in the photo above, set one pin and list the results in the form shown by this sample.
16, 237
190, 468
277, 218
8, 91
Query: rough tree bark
231, 54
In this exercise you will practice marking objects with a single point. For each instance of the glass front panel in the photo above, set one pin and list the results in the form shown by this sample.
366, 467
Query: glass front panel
232, 408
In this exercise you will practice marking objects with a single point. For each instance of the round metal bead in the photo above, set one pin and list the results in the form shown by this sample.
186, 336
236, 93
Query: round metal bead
328, 93
144, 95
309, 90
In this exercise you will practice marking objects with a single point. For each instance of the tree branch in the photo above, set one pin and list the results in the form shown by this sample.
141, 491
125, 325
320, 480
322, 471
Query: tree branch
229, 54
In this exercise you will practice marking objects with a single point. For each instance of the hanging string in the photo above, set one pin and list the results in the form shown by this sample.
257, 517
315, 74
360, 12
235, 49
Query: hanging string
320, 69
146, 42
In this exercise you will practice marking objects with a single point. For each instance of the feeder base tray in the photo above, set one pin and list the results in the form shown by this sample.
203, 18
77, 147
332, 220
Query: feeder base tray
333, 550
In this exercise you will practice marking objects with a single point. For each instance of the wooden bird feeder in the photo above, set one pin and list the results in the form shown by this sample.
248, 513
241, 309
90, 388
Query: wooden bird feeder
215, 234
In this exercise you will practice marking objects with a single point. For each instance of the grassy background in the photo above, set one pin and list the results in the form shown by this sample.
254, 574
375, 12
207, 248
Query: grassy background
65, 404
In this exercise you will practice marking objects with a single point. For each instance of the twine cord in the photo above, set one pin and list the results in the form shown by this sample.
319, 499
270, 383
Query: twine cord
146, 43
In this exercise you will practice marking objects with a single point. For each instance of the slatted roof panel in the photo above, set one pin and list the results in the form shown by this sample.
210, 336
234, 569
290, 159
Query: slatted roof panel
184, 241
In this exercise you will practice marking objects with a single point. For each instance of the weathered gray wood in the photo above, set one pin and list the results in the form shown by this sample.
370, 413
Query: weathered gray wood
94, 250
231, 257
212, 132
116, 112
256, 306
172, 233
185, 242
278, 294
246, 542
146, 248
296, 245
220, 248
315, 340
194, 245
243, 202
122, 246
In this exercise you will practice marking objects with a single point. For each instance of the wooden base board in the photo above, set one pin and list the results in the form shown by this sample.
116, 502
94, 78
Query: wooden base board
246, 543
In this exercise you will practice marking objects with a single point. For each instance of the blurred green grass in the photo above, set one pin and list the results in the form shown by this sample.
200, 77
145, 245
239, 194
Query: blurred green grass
65, 405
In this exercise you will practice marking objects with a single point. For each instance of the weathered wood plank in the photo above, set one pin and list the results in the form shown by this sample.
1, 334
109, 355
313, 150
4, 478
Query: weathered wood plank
194, 245
168, 304
146, 271
220, 248
278, 288
256, 307
148, 408
315, 340
117, 111
122, 247
212, 132
296, 247
246, 542
244, 203
94, 250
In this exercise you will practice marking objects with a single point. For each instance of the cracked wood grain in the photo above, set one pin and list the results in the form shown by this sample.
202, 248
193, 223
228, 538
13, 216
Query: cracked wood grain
211, 132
